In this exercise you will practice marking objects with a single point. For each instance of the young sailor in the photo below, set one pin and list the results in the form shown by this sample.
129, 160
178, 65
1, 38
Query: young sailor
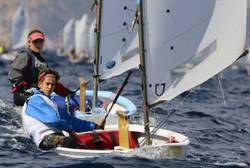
44, 122
26, 67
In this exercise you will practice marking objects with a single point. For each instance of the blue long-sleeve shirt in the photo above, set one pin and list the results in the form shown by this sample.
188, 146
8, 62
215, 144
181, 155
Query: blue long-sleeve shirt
41, 110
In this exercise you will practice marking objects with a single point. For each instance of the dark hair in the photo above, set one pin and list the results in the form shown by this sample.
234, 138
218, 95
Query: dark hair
43, 73
35, 31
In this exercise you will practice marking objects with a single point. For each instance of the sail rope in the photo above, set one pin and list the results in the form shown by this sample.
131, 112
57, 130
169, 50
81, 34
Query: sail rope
115, 32
180, 104
219, 77
164, 121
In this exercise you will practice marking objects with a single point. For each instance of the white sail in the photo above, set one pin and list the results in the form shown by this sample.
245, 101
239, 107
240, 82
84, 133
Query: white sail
69, 36
92, 38
1, 30
82, 36
19, 28
119, 45
208, 34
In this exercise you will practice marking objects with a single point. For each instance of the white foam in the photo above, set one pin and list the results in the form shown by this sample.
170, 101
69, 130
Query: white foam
238, 164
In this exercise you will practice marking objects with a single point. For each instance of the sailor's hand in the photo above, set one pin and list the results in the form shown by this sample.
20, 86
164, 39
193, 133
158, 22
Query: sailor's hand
75, 136
71, 93
101, 125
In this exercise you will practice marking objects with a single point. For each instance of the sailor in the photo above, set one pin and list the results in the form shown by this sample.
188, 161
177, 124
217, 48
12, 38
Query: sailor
25, 69
44, 122
2, 47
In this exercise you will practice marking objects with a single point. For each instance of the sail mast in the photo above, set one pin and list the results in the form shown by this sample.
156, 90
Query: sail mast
97, 50
143, 70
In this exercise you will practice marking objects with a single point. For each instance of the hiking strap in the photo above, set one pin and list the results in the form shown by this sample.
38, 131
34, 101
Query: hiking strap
113, 140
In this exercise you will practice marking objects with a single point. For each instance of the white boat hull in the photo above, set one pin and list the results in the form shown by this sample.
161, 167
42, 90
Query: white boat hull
161, 147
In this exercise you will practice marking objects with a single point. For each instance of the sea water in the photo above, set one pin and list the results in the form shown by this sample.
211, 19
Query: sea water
219, 132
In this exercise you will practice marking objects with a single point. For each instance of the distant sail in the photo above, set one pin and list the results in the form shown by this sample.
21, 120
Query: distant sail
119, 45
207, 34
92, 39
19, 28
69, 36
82, 36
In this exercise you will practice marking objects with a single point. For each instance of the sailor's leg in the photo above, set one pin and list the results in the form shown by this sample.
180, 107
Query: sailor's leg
54, 140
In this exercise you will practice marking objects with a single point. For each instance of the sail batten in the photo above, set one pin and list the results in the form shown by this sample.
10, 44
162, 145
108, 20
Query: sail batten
188, 42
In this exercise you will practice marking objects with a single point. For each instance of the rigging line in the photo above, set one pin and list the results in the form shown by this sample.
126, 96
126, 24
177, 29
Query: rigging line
177, 107
164, 121
221, 88
170, 114
116, 32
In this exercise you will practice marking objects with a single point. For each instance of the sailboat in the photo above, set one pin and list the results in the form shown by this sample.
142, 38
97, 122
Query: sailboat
19, 28
19, 31
68, 39
92, 39
82, 52
209, 33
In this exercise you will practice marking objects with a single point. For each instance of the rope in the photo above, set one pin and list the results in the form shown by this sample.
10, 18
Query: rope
221, 89
164, 121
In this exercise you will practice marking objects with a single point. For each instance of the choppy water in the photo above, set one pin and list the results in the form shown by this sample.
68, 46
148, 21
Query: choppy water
219, 132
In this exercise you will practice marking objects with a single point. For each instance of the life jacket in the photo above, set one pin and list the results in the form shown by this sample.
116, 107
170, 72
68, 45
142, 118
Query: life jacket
35, 128
35, 64
29, 73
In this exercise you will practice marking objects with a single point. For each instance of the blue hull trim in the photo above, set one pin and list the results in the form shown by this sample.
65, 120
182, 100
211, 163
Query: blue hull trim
74, 102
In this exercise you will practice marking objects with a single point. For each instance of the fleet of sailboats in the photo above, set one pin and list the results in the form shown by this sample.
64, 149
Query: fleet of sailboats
77, 40
82, 50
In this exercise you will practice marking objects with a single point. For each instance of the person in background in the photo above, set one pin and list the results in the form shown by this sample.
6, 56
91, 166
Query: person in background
2, 47
44, 122
25, 69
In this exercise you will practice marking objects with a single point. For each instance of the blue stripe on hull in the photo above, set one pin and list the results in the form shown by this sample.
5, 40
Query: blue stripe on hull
74, 102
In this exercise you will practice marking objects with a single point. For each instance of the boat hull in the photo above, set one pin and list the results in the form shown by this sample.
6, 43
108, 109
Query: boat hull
166, 144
